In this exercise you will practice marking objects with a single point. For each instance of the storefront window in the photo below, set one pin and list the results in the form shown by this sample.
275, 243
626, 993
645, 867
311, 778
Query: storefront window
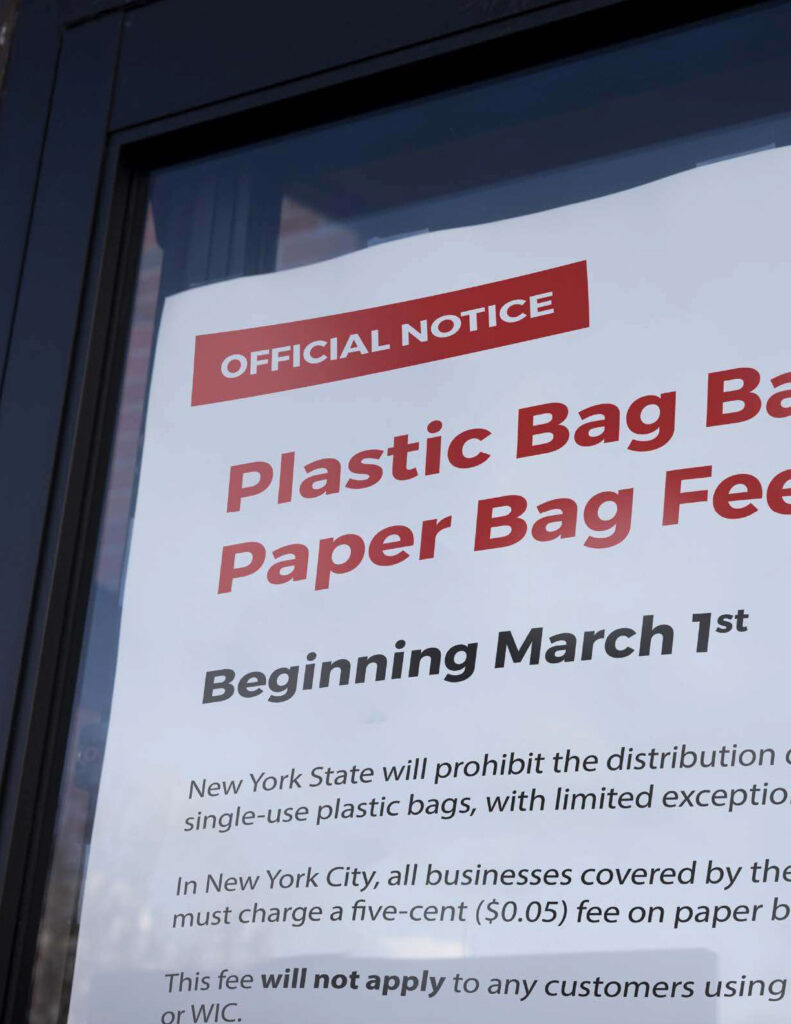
666, 123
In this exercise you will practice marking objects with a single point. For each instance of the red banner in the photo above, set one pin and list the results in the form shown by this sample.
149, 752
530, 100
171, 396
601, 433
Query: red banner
264, 360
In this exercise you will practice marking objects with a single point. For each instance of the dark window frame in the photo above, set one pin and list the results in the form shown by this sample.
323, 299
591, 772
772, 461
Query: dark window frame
72, 218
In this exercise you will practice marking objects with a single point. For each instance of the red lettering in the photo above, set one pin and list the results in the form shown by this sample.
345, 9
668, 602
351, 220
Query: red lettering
619, 523
291, 565
558, 520
775, 404
487, 522
732, 492
366, 466
719, 395
327, 566
389, 540
604, 428
262, 474
324, 477
778, 493
456, 454
428, 535
400, 451
230, 570
662, 426
528, 429
675, 497
285, 489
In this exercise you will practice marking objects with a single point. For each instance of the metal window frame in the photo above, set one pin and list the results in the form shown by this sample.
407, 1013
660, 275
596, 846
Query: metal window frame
83, 122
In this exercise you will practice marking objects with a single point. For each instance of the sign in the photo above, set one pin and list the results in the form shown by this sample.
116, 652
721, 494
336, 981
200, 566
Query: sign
452, 669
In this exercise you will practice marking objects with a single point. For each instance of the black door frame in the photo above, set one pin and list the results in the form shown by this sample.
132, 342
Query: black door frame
88, 110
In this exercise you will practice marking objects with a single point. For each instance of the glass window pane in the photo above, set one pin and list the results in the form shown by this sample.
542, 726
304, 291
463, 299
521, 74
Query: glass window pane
540, 140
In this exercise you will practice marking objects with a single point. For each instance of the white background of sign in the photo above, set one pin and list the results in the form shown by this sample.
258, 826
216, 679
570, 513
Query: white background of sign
687, 275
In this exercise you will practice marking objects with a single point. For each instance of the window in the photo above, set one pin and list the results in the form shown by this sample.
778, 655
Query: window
538, 140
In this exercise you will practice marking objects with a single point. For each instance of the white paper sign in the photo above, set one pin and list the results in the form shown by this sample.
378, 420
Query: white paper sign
458, 690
